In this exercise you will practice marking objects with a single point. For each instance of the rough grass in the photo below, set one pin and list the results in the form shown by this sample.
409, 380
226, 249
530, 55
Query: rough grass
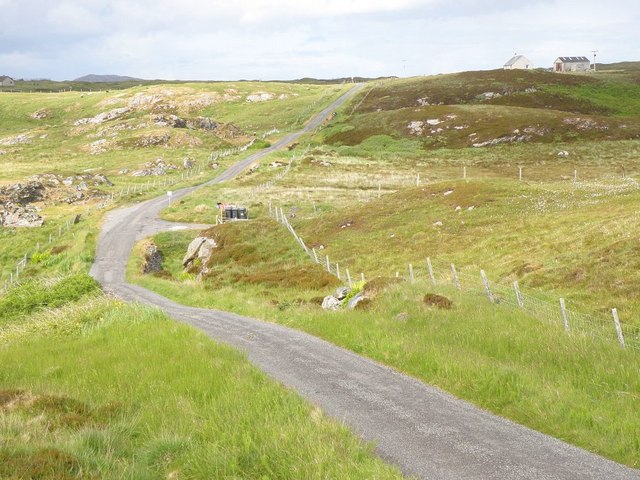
575, 387
135, 395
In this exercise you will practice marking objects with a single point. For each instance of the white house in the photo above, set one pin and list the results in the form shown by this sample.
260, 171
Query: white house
572, 64
518, 62
6, 81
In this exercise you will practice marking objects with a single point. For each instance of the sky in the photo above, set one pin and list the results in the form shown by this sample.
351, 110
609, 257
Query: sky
288, 39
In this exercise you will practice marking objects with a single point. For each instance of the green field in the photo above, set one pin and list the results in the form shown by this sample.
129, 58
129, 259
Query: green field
412, 168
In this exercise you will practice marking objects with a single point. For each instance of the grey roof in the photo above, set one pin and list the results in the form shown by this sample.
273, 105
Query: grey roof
4, 77
514, 60
573, 59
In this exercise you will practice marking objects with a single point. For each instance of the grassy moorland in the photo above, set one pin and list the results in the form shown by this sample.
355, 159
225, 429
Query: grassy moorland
93, 388
376, 191
356, 196
576, 387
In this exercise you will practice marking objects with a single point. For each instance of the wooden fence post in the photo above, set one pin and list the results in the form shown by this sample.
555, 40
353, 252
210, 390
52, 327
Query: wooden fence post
338, 271
486, 286
328, 264
616, 320
411, 277
315, 255
563, 309
520, 173
349, 278
464, 173
362, 276
430, 268
456, 282
516, 288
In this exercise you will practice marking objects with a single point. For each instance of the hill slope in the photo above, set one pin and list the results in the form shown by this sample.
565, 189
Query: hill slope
92, 78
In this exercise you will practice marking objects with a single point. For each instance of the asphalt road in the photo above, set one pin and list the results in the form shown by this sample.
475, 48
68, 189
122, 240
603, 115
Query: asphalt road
424, 431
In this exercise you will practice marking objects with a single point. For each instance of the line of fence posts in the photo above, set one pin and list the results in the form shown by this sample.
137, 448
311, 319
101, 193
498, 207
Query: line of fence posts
519, 298
277, 213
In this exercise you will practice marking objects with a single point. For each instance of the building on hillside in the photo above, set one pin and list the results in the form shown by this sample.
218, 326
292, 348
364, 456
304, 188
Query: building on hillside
518, 62
6, 81
572, 64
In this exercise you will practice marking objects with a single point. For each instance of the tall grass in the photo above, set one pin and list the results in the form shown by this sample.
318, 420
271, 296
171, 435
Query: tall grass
576, 387
132, 394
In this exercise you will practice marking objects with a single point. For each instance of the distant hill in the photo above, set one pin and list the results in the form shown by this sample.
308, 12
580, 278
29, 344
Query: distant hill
106, 79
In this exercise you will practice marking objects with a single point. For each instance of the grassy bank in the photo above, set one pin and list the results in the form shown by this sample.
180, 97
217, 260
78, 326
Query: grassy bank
577, 388
98, 389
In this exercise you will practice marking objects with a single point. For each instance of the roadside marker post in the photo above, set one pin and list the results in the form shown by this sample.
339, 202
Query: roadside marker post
169, 194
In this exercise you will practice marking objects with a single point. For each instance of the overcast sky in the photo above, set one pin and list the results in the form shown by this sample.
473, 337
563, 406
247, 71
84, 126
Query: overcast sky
286, 39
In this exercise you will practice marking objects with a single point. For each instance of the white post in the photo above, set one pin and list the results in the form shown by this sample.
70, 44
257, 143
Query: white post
520, 173
616, 320
328, 264
277, 217
379, 187
575, 176
486, 286
456, 282
430, 268
362, 276
516, 289
270, 211
349, 278
464, 173
417, 180
563, 309
315, 255
338, 271
397, 274
411, 273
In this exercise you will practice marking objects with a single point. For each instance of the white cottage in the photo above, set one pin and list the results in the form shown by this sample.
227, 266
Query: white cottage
6, 81
518, 62
572, 64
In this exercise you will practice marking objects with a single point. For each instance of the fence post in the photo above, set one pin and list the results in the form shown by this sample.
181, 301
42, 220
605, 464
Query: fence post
270, 211
338, 271
575, 176
430, 268
379, 187
520, 173
362, 276
616, 320
411, 277
464, 173
328, 264
516, 288
315, 255
349, 278
417, 180
456, 282
486, 286
563, 309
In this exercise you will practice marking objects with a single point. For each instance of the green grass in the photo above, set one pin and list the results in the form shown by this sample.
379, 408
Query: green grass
106, 390
35, 295
579, 388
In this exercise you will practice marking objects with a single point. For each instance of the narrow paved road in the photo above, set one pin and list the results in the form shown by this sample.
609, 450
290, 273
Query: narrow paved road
423, 430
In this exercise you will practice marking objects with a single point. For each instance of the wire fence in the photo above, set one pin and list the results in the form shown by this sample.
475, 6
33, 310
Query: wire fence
477, 284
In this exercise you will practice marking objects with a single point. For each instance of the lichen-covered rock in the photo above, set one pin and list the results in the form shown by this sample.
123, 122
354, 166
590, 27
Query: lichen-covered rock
342, 292
199, 251
12, 215
330, 303
152, 258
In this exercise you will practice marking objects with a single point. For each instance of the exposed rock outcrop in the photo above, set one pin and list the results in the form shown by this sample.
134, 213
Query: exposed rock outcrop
198, 255
153, 258
12, 215
157, 167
